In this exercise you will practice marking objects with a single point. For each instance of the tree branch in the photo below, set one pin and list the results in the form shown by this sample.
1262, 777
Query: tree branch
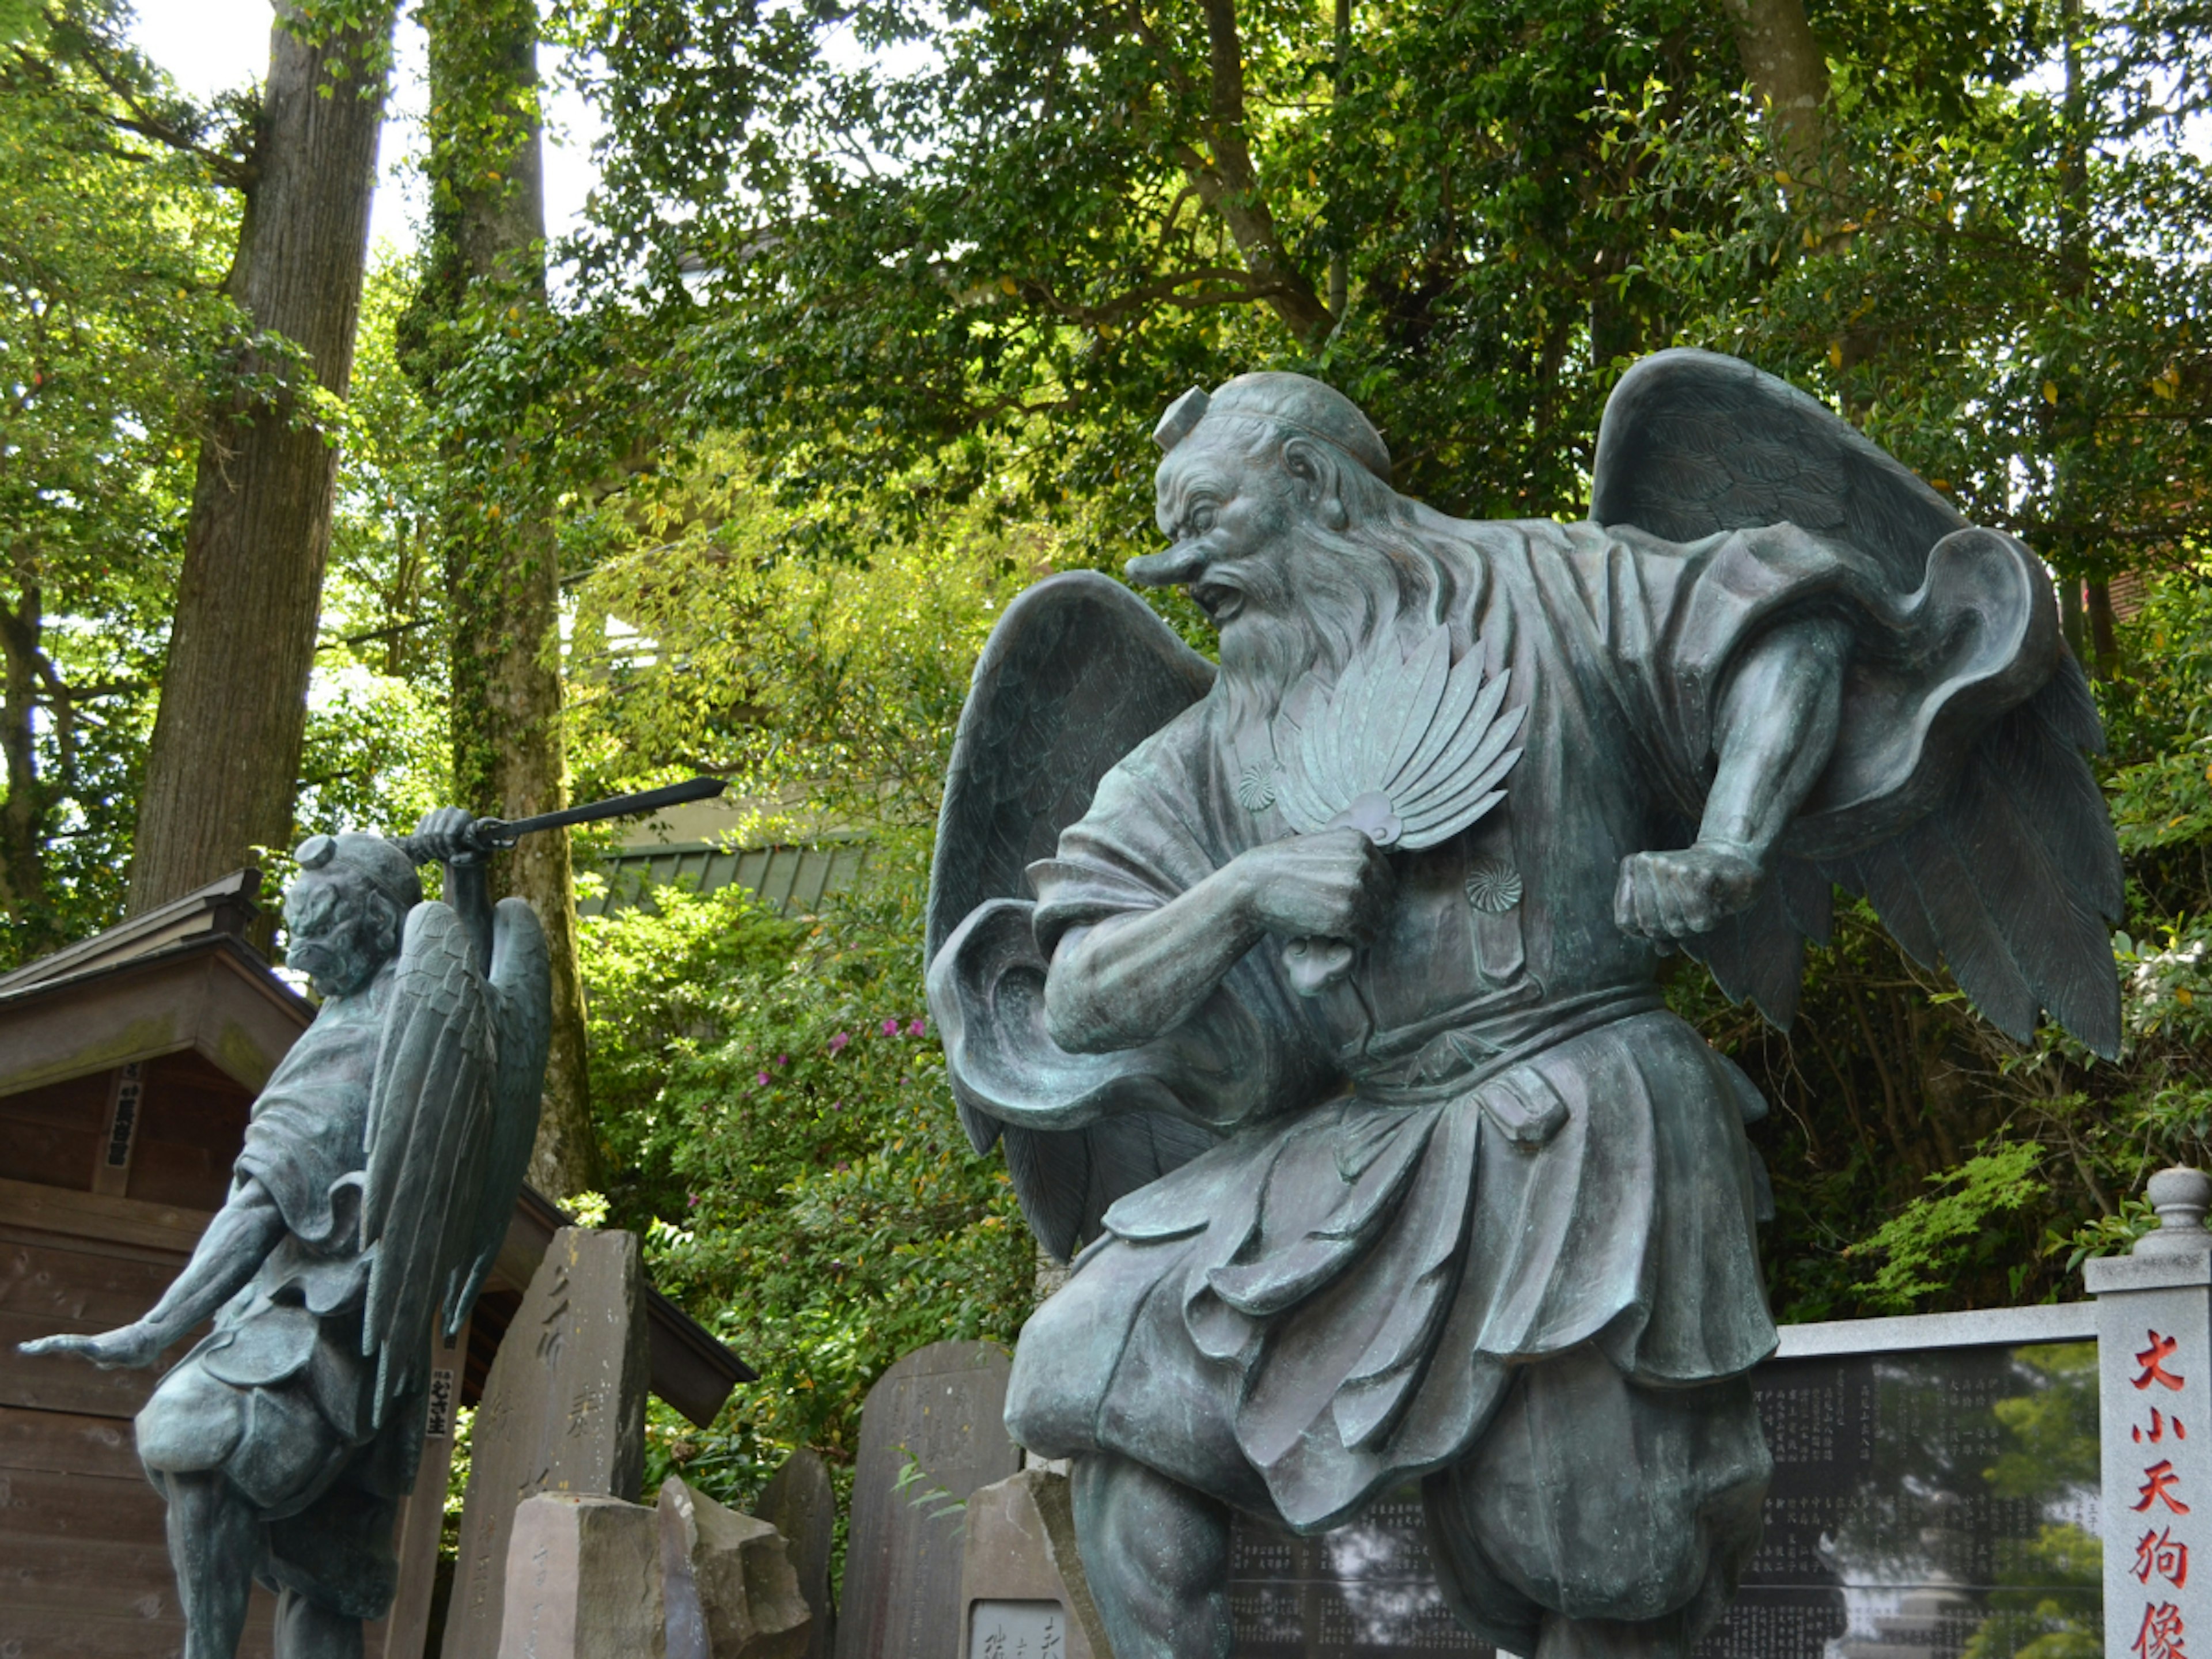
1228, 183
148, 123
1165, 290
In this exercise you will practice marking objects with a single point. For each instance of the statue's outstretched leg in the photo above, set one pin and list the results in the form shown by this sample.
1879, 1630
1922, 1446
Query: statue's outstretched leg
305, 1629
213, 1528
1157, 1555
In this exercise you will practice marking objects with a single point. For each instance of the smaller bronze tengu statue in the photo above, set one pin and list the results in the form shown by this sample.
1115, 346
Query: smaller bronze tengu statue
379, 1169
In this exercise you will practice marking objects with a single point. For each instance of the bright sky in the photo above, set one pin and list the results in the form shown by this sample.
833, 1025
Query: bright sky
213, 46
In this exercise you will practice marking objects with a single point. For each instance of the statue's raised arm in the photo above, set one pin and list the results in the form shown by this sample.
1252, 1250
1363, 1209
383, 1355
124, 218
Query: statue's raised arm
1321, 997
1957, 797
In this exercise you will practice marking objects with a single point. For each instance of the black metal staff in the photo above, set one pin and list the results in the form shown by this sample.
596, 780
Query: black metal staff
491, 834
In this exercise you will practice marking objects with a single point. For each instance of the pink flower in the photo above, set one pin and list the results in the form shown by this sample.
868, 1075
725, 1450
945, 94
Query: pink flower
837, 1044
918, 1028
691, 1201
891, 1028
762, 1079
783, 1059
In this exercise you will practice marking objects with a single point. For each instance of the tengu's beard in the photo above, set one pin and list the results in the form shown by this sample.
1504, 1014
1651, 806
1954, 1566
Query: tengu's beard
1314, 600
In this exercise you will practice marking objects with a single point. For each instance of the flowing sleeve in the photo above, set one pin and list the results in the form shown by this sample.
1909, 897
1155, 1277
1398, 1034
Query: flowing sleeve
1928, 672
304, 1141
1247, 1052
1957, 799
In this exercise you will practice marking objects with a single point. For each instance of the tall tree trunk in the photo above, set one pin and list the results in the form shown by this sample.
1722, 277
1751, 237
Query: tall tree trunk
23, 813
1789, 73
225, 758
487, 229
2104, 633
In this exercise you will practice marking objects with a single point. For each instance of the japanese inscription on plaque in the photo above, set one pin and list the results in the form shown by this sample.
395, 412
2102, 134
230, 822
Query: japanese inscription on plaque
2162, 1400
2156, 1366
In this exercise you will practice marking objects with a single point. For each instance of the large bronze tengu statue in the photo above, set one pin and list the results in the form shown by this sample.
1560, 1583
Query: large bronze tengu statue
1331, 1034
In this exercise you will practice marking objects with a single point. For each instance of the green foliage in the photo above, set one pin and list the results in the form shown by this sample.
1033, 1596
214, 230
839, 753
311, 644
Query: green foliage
457, 1482
378, 753
1040, 223
2001, 271
111, 255
778, 1116
381, 599
2160, 722
775, 1112
714, 634
1924, 1245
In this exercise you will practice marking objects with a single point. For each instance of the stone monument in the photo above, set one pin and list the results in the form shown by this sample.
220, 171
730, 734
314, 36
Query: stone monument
935, 1416
379, 1171
1316, 997
590, 1576
1022, 1579
563, 1411
799, 1502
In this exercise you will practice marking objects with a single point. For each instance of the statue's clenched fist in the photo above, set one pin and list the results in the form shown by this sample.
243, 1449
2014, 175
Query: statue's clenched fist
1670, 895
1335, 884
444, 835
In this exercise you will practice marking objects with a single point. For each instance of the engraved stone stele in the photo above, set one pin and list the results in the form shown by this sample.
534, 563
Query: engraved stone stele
1915, 1485
563, 1411
1021, 1570
582, 1580
2154, 1375
728, 1582
800, 1504
941, 1409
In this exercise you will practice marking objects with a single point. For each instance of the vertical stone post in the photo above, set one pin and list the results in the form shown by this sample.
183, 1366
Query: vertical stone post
563, 1411
2154, 1391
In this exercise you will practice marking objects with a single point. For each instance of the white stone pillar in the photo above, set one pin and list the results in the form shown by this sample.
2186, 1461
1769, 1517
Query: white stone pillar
2155, 1393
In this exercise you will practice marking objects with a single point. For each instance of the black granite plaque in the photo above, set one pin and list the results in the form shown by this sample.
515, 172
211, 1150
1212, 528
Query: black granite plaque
1365, 1589
1929, 1505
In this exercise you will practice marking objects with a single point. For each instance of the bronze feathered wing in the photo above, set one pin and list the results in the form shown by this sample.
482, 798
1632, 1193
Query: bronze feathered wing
453, 1108
2012, 876
1077, 674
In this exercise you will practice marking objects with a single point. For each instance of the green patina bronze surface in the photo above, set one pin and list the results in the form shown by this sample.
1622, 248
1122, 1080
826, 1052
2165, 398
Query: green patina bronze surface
1315, 1002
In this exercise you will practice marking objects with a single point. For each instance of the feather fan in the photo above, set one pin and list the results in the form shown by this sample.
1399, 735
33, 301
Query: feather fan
1410, 750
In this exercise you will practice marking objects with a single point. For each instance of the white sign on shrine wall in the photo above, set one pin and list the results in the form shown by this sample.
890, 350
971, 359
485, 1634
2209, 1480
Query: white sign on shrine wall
2155, 1393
